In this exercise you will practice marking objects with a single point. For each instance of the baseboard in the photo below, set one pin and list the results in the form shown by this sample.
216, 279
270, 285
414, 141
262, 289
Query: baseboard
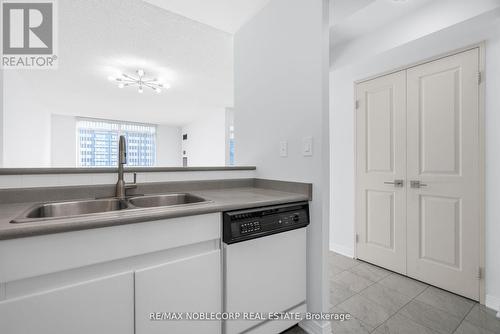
493, 302
315, 327
346, 251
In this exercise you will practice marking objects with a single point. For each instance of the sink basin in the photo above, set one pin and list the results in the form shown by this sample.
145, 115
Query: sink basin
69, 209
151, 201
47, 211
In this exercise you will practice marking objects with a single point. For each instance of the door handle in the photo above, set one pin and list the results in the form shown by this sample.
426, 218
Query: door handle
396, 183
417, 184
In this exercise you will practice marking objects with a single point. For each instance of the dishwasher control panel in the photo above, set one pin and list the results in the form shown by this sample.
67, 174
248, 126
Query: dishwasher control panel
248, 224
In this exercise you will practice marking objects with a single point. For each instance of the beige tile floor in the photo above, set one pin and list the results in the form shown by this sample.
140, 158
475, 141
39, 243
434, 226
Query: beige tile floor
382, 302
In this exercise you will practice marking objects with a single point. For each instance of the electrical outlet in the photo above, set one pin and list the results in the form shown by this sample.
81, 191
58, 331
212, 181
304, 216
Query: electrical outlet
307, 146
284, 149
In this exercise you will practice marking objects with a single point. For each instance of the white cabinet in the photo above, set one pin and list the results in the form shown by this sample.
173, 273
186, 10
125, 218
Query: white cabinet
105, 280
104, 305
187, 285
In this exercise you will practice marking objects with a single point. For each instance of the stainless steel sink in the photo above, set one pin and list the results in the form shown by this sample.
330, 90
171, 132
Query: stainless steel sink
151, 201
47, 211
70, 209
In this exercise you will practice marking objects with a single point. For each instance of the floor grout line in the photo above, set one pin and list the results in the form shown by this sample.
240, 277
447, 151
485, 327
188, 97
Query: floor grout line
399, 309
353, 317
359, 293
461, 322
355, 294
424, 325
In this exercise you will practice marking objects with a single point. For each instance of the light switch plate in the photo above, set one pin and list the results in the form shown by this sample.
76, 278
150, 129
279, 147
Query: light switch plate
283, 149
307, 146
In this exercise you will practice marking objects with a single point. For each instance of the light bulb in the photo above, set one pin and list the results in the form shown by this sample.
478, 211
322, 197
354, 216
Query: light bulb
140, 89
121, 85
140, 72
158, 90
166, 86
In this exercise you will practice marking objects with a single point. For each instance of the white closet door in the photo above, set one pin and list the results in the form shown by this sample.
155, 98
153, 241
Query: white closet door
381, 162
443, 155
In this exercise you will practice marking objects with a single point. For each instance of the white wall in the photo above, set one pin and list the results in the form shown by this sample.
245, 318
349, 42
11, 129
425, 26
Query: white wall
63, 141
281, 93
492, 163
1, 117
26, 127
342, 129
206, 143
168, 143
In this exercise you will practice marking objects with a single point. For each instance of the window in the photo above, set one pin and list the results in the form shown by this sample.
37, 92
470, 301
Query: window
98, 143
231, 145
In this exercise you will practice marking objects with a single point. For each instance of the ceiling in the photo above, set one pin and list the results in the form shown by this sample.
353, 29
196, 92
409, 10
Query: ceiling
341, 9
360, 17
365, 29
225, 15
98, 39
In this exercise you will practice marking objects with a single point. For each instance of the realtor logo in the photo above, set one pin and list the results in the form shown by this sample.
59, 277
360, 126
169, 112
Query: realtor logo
28, 34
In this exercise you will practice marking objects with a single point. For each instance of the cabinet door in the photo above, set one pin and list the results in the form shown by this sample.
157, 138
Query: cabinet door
187, 285
380, 171
99, 306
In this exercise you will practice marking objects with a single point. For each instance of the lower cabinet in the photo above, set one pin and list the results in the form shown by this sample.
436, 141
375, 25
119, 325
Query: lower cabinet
108, 305
104, 305
110, 280
190, 285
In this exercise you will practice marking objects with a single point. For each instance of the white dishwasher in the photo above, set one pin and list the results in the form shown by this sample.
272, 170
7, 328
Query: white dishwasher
264, 255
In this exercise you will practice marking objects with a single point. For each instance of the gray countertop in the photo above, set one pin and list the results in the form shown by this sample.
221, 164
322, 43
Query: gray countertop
220, 200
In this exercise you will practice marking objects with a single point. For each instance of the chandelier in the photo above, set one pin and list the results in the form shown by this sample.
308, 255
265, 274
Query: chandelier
139, 81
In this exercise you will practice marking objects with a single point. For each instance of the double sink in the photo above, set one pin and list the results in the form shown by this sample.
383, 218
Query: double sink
45, 211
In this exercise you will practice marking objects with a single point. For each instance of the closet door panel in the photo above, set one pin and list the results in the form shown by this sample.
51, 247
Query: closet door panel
443, 173
380, 171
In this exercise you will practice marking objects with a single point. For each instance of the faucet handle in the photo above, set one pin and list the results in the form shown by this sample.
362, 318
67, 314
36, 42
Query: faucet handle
132, 185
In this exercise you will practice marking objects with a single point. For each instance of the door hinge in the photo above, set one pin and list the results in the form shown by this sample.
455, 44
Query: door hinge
479, 77
357, 238
479, 273
357, 104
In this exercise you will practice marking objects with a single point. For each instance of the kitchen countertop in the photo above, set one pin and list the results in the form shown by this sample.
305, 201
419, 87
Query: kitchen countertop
220, 200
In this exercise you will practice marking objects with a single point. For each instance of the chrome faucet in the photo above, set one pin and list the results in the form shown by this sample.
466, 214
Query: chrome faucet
121, 186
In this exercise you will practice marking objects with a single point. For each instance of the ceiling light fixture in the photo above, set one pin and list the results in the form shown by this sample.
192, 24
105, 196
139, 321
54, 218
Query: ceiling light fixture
139, 81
